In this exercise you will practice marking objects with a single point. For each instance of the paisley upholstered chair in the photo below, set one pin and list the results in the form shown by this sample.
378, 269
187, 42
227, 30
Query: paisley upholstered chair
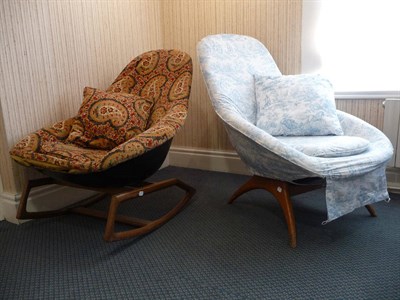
287, 131
119, 138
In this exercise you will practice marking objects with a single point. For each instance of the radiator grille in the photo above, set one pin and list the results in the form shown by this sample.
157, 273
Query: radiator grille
391, 124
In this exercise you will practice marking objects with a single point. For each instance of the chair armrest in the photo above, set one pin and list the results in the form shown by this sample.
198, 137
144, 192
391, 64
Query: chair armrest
60, 130
264, 154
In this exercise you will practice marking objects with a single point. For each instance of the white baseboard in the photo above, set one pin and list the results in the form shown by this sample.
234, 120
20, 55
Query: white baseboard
393, 179
8, 207
229, 161
166, 162
220, 161
43, 198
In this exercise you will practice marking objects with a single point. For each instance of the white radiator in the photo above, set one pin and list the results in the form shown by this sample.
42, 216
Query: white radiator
391, 127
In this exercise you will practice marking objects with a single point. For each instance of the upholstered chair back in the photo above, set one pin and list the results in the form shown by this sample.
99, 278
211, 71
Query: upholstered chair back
228, 65
162, 76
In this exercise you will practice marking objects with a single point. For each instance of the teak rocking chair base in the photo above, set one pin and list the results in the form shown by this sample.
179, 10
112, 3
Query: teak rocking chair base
282, 191
118, 196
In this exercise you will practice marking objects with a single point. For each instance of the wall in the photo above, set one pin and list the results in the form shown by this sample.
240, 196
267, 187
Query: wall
51, 50
370, 110
275, 23
203, 143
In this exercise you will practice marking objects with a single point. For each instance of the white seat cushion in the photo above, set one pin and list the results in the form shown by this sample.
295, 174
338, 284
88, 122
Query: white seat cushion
326, 146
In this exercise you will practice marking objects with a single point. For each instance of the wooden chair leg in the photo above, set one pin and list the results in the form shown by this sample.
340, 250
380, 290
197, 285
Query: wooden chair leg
371, 210
282, 191
145, 226
22, 212
119, 195
252, 184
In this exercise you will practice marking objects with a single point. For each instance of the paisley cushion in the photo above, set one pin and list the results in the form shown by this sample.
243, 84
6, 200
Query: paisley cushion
296, 105
108, 119
327, 146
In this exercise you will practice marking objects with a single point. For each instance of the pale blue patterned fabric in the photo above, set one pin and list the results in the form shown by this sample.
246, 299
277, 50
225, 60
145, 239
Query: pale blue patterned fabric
250, 58
296, 105
351, 181
326, 146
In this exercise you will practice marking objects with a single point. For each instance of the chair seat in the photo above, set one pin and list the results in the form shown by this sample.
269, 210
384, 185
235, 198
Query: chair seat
55, 155
327, 146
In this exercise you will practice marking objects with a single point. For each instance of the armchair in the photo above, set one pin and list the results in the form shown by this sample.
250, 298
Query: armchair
119, 138
350, 164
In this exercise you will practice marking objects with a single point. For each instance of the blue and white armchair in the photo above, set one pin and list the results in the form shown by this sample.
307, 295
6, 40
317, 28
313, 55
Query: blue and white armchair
287, 131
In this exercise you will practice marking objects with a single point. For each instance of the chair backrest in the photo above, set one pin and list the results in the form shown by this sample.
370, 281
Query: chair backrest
163, 76
228, 63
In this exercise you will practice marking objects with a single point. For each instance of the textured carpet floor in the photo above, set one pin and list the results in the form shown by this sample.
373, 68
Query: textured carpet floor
211, 250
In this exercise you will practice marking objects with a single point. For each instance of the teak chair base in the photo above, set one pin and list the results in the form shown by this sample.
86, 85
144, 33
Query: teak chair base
118, 196
282, 191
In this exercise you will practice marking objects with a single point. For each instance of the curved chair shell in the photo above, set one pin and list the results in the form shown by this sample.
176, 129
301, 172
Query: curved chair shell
228, 63
162, 78
265, 154
131, 172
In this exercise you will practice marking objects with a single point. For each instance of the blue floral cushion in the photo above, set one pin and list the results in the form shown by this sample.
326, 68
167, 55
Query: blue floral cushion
327, 146
296, 105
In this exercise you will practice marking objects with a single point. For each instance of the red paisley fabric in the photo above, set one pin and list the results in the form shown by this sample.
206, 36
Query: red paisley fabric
106, 120
142, 109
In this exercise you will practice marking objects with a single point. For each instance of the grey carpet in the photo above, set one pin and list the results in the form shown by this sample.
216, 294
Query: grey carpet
211, 250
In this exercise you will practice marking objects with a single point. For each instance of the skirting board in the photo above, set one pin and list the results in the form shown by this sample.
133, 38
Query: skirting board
220, 161
393, 179
41, 199
224, 161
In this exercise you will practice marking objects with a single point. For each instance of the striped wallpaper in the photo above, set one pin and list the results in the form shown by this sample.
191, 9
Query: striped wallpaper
370, 110
275, 23
52, 49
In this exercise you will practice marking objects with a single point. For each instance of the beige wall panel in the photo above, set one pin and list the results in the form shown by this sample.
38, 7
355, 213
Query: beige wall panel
275, 23
51, 50
7, 179
370, 110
